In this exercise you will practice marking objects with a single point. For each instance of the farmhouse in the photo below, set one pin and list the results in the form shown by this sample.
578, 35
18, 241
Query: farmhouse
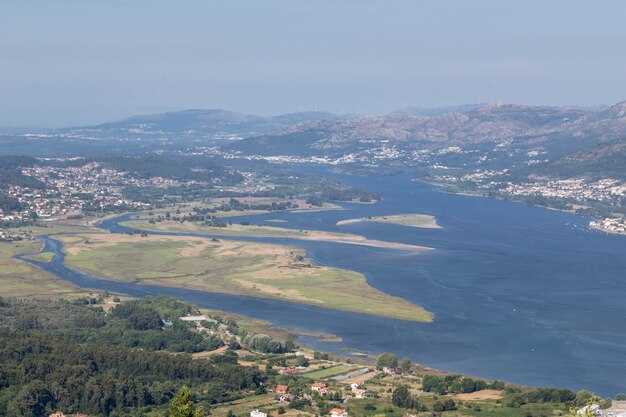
320, 388
317, 386
281, 389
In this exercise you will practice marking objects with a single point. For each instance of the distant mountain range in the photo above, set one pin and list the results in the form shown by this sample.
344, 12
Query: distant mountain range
531, 140
560, 129
207, 124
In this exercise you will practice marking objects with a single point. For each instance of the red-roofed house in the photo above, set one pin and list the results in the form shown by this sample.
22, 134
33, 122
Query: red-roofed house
281, 389
320, 388
338, 412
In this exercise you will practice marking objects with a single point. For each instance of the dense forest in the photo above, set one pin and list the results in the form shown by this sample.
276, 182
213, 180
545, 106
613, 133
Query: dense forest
72, 356
137, 323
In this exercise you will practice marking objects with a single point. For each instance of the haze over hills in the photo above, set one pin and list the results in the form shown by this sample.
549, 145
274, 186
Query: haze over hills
436, 111
200, 123
494, 140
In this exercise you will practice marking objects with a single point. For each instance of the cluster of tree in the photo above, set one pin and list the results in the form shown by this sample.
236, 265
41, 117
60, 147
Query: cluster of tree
457, 384
446, 405
236, 205
387, 360
401, 397
205, 219
138, 323
266, 344
321, 356
40, 373
342, 194
517, 397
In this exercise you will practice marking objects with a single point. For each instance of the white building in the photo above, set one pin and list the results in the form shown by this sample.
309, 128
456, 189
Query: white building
257, 413
594, 408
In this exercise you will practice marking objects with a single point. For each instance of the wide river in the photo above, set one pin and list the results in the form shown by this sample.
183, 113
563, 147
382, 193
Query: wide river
520, 294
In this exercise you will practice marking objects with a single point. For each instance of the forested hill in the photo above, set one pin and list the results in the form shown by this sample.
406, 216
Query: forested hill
604, 160
70, 356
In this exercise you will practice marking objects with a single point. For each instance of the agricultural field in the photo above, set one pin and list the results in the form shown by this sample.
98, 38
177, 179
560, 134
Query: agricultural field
330, 372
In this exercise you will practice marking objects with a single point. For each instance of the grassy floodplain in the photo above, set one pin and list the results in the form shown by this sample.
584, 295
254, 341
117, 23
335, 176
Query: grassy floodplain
20, 279
412, 220
232, 267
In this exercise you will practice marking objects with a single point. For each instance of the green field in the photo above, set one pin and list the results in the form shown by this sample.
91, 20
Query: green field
233, 267
329, 372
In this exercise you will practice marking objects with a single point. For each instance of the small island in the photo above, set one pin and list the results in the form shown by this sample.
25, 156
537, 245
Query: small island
425, 221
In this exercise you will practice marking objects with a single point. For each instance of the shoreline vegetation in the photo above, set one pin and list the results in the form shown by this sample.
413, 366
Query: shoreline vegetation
424, 221
262, 270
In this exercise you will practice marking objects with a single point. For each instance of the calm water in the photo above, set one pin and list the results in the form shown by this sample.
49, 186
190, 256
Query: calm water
521, 294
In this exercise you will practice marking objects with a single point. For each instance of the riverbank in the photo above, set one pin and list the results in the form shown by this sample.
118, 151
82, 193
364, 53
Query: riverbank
269, 232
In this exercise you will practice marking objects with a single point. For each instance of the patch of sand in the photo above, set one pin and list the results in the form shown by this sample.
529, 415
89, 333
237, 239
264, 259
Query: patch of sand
424, 221
486, 394
208, 354
362, 241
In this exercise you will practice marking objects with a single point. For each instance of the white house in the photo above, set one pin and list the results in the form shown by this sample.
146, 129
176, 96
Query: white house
257, 413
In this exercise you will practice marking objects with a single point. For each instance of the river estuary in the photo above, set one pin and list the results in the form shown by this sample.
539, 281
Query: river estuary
520, 294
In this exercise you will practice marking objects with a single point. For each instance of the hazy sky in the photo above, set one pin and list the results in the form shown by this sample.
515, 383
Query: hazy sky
65, 62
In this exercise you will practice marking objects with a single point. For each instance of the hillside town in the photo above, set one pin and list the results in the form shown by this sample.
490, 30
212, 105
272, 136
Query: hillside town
69, 191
